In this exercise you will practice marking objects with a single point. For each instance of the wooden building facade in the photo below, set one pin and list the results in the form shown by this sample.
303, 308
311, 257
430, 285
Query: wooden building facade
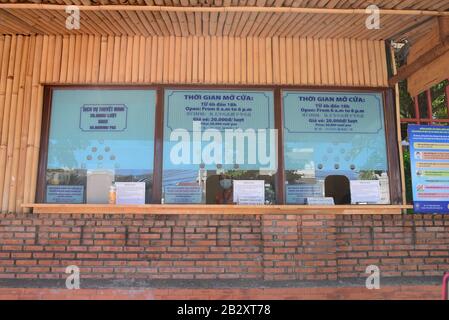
275, 45
31, 62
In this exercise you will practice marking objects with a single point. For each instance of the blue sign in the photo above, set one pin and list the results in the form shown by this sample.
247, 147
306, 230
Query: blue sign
183, 194
65, 194
298, 193
219, 110
102, 129
195, 121
429, 165
334, 131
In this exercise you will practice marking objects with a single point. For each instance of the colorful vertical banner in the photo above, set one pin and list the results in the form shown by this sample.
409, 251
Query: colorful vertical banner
429, 165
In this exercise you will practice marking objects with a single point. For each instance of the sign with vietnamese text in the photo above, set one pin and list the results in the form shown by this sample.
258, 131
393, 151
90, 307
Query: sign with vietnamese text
130, 192
183, 194
365, 191
65, 194
249, 192
334, 131
103, 117
102, 129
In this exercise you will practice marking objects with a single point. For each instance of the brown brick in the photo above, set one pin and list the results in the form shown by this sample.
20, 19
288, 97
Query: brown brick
276, 247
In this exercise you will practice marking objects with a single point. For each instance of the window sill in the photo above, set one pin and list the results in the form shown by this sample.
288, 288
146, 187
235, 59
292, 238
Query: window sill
174, 209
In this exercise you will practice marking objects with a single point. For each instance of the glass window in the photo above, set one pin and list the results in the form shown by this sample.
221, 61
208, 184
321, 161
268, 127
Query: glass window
97, 138
212, 138
334, 147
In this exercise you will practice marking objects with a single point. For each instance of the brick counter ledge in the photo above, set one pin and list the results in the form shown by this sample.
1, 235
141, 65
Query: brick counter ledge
295, 248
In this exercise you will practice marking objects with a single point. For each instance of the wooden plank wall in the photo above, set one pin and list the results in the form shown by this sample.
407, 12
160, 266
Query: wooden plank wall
28, 62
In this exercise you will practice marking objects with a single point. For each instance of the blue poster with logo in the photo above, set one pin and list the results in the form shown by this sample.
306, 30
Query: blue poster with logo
429, 165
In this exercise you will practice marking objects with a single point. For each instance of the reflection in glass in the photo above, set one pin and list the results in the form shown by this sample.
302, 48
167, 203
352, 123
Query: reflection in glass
203, 186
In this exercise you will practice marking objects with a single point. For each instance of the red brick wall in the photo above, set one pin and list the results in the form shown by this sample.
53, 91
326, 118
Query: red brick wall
268, 247
397, 292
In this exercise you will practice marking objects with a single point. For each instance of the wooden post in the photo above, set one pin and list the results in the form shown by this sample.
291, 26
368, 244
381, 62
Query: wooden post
25, 128
31, 149
399, 132
6, 125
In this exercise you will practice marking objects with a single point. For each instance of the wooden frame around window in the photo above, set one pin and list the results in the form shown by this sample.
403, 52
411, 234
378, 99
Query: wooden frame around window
394, 172
46, 120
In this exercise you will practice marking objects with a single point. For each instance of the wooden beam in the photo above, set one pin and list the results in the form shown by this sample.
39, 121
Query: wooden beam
177, 209
443, 24
39, 6
426, 58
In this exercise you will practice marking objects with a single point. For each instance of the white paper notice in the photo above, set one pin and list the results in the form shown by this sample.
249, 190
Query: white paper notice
365, 191
130, 192
250, 192
384, 189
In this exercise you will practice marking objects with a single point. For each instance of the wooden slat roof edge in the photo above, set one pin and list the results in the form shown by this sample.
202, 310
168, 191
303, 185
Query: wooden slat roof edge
297, 10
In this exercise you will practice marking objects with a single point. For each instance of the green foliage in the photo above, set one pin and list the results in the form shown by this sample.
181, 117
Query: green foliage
406, 101
439, 105
292, 176
408, 178
367, 175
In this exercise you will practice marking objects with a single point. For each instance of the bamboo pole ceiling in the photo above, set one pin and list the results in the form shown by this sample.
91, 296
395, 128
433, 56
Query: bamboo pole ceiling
234, 18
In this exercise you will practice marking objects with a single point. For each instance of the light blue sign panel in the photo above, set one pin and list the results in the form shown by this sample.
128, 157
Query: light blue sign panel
65, 194
80, 138
298, 193
429, 166
183, 194
334, 131
219, 111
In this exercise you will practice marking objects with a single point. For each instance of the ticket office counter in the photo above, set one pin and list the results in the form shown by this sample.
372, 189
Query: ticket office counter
209, 149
